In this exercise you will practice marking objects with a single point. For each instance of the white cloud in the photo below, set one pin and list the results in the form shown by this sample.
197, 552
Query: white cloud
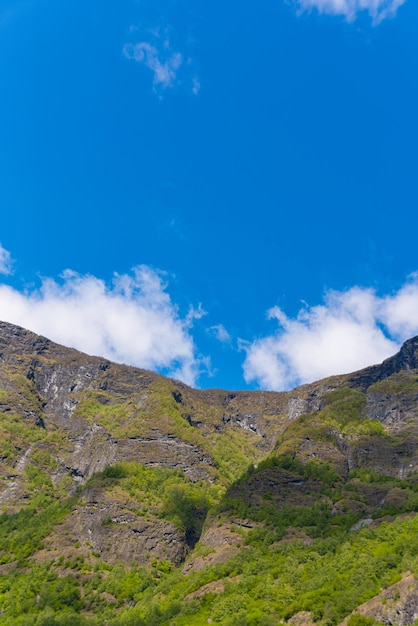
194, 314
163, 63
351, 330
196, 85
5, 261
132, 321
377, 9
169, 67
399, 312
220, 332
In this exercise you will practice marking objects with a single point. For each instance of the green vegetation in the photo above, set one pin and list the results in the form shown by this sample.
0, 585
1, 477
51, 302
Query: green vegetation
403, 382
130, 417
102, 408
361, 620
22, 533
16, 434
322, 566
161, 492
263, 584
319, 470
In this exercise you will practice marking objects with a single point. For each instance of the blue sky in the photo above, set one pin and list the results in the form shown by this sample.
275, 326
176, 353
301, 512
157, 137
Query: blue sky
223, 192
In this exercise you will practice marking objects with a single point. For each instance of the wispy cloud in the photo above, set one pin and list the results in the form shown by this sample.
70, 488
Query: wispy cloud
350, 9
163, 63
220, 332
195, 85
351, 330
5, 261
169, 67
195, 313
132, 321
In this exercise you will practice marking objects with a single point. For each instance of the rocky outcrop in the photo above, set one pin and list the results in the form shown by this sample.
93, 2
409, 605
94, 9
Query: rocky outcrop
395, 606
114, 531
404, 360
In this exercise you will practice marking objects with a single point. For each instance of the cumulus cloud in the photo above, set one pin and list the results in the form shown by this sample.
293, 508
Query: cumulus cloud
132, 321
351, 330
399, 313
168, 66
377, 9
5, 261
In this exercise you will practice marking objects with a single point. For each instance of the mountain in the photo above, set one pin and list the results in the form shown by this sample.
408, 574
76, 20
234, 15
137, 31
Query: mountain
130, 498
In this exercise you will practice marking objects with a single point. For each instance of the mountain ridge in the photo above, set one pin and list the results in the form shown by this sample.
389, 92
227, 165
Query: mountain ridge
122, 467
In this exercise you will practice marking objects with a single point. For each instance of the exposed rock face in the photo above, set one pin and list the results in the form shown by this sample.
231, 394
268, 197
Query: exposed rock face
406, 359
304, 618
117, 534
395, 606
59, 377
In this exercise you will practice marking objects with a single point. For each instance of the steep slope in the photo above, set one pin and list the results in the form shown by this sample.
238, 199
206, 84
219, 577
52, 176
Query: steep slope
106, 466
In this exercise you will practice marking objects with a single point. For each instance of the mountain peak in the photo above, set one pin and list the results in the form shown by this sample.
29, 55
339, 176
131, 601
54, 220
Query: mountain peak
405, 359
